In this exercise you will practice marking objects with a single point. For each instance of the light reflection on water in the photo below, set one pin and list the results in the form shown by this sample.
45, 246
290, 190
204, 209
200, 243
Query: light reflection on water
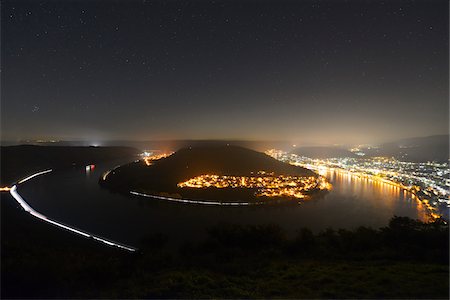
74, 197
389, 196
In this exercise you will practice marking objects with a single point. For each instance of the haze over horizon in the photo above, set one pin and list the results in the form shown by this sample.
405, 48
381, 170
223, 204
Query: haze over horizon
226, 149
281, 70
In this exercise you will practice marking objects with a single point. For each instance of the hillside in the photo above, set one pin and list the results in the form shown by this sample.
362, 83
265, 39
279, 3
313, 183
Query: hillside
165, 174
323, 152
430, 148
233, 261
224, 160
418, 149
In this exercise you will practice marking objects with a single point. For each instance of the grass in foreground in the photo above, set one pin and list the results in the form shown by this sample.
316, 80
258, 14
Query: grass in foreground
407, 259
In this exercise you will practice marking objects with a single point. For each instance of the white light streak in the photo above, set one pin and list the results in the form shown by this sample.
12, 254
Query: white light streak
34, 175
40, 216
189, 201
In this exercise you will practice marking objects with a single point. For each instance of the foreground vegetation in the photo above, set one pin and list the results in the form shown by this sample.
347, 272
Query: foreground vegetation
406, 259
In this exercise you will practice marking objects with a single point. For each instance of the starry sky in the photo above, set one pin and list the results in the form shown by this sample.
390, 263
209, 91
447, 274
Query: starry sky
305, 71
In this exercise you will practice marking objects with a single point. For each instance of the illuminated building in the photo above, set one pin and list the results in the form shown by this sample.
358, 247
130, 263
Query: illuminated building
265, 184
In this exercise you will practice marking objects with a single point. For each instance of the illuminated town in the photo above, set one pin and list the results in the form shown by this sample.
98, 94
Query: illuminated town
428, 181
150, 156
266, 184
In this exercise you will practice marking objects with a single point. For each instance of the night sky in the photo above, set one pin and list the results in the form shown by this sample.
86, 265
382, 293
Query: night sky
303, 71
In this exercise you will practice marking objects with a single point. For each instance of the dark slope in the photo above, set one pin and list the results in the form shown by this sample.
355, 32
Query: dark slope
226, 160
419, 149
43, 262
430, 148
190, 162
323, 152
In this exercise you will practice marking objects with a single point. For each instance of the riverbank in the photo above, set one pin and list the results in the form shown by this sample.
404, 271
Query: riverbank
229, 261
227, 175
415, 192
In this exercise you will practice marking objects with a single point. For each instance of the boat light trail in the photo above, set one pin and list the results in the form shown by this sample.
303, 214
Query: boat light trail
206, 202
34, 175
30, 210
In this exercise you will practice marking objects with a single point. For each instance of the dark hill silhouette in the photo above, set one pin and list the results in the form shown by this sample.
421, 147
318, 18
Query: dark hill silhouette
323, 152
225, 160
418, 149
430, 148
165, 174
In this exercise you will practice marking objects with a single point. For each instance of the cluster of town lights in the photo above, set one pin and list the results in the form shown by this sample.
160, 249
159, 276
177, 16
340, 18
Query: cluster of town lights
266, 184
428, 182
149, 157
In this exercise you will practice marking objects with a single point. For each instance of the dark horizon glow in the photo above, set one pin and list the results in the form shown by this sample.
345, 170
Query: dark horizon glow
319, 72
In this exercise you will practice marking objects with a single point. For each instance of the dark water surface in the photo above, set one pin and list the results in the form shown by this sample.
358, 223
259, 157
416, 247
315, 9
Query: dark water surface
74, 197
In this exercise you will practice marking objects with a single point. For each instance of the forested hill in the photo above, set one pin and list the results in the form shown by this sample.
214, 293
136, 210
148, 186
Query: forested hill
225, 160
186, 163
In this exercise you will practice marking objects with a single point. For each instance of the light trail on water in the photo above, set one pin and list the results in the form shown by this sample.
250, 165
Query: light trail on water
189, 201
31, 211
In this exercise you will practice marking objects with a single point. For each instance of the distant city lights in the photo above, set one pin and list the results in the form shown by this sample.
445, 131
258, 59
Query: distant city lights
428, 181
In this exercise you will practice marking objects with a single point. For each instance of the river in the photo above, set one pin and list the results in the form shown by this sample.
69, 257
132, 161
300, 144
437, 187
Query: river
74, 197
